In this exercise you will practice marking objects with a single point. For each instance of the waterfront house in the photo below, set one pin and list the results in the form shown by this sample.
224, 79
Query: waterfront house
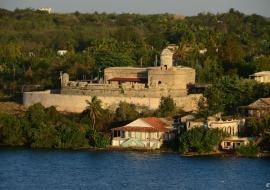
148, 133
234, 142
232, 127
258, 109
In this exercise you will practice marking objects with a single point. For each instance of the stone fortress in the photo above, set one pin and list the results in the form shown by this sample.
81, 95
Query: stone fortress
165, 80
137, 85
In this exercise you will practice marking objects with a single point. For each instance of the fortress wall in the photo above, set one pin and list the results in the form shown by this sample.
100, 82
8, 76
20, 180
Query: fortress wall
76, 103
126, 92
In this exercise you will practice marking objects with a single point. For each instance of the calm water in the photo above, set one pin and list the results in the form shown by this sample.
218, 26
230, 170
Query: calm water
43, 169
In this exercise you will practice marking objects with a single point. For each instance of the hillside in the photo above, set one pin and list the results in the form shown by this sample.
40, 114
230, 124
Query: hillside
236, 44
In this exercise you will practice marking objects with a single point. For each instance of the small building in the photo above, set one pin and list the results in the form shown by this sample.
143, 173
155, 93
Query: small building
203, 51
232, 127
62, 52
234, 142
263, 76
148, 133
258, 109
46, 9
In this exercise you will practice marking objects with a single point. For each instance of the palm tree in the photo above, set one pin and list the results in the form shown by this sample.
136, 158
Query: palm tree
94, 109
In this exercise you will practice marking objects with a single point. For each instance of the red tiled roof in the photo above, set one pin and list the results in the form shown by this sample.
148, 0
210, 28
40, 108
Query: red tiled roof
140, 129
155, 122
157, 125
141, 80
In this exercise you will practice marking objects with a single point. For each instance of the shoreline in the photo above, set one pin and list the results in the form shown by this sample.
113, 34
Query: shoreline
263, 154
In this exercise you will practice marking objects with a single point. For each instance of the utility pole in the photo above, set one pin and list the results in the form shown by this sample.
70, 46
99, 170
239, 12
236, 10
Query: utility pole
156, 60
141, 61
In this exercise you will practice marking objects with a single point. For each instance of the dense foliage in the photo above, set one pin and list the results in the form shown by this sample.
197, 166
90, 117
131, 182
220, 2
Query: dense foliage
43, 127
248, 150
259, 128
227, 94
200, 139
236, 44
167, 107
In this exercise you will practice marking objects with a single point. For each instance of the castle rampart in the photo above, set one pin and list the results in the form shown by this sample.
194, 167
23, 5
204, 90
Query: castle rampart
77, 103
139, 86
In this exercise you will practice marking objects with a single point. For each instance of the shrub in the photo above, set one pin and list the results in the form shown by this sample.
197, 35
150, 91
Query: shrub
200, 139
247, 150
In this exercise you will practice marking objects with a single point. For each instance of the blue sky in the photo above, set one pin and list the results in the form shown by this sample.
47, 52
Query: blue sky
181, 7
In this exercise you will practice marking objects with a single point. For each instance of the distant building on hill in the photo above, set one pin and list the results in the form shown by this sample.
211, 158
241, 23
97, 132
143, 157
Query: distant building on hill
46, 9
263, 76
148, 133
62, 52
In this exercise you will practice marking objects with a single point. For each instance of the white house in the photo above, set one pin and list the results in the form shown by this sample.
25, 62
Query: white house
46, 9
148, 133
234, 142
203, 51
62, 52
231, 127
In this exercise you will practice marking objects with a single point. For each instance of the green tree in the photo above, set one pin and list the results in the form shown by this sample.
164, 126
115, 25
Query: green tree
167, 107
71, 135
94, 110
200, 139
126, 112
11, 130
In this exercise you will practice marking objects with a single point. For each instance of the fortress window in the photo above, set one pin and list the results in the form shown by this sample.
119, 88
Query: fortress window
159, 82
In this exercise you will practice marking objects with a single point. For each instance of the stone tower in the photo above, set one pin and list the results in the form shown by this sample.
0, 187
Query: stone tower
64, 79
166, 58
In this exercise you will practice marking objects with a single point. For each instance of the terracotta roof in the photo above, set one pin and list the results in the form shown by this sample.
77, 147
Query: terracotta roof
157, 125
156, 122
141, 80
140, 129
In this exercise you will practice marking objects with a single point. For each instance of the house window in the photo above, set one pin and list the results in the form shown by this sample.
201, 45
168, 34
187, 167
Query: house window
129, 134
122, 134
